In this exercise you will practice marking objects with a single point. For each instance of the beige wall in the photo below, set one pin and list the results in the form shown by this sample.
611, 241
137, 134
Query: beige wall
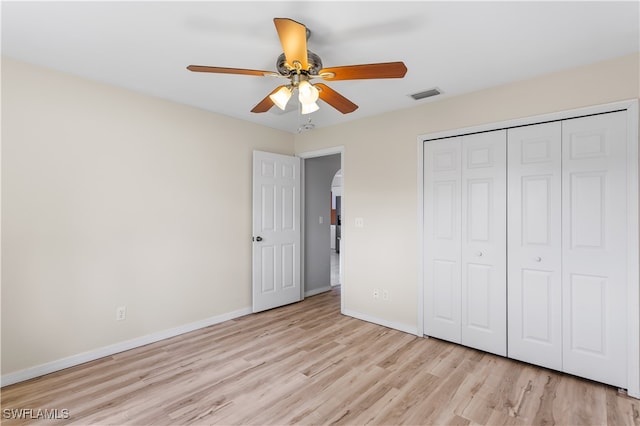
380, 173
113, 198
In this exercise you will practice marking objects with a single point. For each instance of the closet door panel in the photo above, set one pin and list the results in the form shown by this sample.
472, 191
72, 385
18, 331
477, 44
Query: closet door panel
484, 241
594, 247
442, 238
534, 241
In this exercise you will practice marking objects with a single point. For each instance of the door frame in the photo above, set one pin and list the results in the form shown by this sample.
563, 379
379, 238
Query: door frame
631, 107
313, 154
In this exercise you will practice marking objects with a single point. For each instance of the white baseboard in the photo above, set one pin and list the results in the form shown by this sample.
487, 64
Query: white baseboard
61, 364
390, 324
317, 291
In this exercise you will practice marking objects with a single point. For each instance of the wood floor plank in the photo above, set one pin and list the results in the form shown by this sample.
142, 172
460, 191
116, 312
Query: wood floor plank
307, 364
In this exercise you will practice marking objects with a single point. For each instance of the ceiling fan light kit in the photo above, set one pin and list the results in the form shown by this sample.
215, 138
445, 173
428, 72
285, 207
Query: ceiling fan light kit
300, 65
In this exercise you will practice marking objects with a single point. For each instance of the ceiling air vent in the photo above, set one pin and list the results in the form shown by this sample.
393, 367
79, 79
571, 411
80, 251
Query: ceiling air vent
426, 94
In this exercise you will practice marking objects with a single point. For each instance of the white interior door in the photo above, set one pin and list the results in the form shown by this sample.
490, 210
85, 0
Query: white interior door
442, 239
483, 255
534, 274
594, 228
276, 230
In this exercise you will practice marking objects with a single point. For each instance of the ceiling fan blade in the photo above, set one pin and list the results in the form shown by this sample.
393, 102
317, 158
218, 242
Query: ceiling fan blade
266, 104
335, 99
221, 70
293, 37
366, 71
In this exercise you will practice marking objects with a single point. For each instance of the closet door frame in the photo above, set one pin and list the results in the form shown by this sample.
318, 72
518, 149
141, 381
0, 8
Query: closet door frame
633, 219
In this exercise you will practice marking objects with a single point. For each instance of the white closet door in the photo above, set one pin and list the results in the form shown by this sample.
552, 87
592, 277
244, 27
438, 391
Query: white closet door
594, 247
442, 239
484, 292
534, 239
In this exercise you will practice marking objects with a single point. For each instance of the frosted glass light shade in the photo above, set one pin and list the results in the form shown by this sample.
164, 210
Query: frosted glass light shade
281, 97
309, 108
307, 93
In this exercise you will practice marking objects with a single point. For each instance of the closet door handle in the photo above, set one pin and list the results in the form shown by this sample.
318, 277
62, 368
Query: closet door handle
479, 253
538, 259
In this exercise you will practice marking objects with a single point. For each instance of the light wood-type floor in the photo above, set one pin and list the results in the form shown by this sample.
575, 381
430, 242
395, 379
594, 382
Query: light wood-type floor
307, 364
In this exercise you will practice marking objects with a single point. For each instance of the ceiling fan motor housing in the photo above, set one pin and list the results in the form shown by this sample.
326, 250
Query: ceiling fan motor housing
315, 64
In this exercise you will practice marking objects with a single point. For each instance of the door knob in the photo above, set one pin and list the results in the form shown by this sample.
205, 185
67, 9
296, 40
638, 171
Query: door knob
258, 238
538, 259
479, 253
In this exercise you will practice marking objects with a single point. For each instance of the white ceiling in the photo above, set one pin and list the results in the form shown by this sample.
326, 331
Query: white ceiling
458, 47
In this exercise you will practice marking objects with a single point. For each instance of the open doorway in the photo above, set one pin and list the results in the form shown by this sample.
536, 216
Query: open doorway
336, 227
323, 252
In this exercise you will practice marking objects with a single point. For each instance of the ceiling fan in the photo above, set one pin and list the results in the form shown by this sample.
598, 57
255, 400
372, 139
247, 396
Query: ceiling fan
300, 66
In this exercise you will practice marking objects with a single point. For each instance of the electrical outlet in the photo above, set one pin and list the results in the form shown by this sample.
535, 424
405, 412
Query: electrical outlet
376, 293
121, 313
385, 294
359, 222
